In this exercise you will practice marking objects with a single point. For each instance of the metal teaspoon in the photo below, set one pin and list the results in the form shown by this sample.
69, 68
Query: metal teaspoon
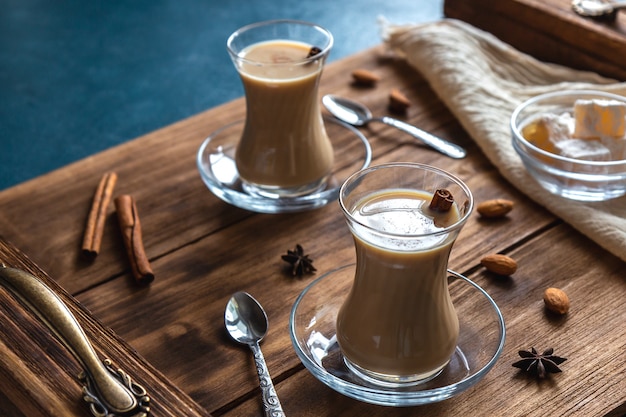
357, 114
596, 8
247, 323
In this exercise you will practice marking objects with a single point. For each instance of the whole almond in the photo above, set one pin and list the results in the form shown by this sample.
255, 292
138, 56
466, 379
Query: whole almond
499, 264
365, 77
398, 102
494, 208
556, 300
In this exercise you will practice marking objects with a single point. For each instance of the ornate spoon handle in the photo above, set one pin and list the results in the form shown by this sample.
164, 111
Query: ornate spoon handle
271, 403
109, 392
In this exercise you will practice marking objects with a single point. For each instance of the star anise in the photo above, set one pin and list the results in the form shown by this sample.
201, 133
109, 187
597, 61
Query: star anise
539, 364
301, 263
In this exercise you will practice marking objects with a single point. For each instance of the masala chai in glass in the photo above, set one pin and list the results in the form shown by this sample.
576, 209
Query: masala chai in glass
284, 150
398, 324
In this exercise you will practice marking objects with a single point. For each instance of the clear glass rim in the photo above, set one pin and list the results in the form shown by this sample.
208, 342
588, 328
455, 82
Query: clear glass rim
469, 204
325, 50
517, 134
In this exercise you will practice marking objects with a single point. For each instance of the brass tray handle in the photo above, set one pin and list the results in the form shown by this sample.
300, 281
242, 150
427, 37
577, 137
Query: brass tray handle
108, 392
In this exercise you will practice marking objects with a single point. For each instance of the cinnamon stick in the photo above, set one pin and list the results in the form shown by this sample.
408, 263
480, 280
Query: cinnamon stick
92, 238
130, 226
442, 200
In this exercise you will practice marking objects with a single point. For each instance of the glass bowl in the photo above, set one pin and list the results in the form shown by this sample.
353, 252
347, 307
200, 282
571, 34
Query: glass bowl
576, 179
312, 330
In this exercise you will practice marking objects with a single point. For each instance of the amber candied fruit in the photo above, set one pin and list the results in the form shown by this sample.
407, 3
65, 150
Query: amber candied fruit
538, 134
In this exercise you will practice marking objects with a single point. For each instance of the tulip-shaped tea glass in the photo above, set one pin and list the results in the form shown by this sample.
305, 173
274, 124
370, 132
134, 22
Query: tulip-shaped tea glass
284, 150
398, 325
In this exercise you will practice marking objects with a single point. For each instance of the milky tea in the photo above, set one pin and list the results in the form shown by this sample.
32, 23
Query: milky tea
284, 149
398, 323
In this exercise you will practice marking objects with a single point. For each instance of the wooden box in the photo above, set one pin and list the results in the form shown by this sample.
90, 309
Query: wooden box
550, 31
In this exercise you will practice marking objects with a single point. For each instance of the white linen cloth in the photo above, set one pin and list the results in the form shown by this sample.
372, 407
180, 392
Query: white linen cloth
482, 80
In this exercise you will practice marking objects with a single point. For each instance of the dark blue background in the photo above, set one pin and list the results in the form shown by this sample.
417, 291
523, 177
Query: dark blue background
80, 76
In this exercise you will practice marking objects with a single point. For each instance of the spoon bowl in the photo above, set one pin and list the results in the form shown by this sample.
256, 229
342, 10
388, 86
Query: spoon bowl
347, 110
357, 114
245, 319
246, 322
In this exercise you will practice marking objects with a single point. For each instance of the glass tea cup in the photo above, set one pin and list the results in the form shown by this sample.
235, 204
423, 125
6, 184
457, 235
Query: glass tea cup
398, 325
284, 150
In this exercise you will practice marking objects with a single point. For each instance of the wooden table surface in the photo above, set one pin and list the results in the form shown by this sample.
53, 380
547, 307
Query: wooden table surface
202, 250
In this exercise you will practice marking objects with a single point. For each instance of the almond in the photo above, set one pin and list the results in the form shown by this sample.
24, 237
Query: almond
398, 102
494, 208
499, 264
556, 300
365, 77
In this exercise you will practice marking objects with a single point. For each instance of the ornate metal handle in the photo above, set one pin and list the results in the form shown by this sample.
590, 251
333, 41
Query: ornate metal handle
109, 392
271, 403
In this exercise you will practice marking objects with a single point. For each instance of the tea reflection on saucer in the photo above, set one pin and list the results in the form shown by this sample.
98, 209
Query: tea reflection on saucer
216, 164
313, 334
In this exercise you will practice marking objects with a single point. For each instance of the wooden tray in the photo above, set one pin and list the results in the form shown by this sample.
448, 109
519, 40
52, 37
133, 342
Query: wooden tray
39, 376
550, 31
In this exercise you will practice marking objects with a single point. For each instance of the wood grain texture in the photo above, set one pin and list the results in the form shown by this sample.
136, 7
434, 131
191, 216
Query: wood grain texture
592, 382
38, 375
203, 250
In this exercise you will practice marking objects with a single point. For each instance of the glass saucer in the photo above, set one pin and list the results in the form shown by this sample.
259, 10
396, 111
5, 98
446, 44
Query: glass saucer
312, 329
216, 163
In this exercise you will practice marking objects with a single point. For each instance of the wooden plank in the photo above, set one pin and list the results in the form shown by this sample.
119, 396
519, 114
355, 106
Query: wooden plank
550, 31
39, 376
184, 335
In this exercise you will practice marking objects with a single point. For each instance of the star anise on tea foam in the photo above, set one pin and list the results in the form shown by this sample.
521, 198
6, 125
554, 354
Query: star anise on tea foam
539, 364
301, 263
